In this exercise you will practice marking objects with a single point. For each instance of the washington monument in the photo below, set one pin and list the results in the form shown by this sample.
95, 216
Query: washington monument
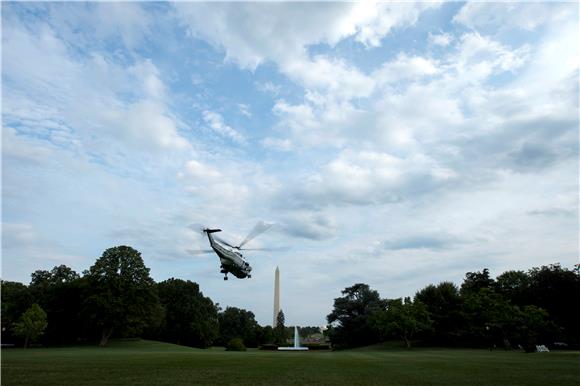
276, 297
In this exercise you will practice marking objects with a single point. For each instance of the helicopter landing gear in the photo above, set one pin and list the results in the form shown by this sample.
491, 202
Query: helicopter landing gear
249, 276
226, 277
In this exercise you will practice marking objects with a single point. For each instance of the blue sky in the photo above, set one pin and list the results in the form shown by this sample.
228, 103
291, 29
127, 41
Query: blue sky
397, 145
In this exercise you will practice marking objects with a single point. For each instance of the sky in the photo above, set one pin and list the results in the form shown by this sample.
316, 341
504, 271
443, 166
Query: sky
397, 145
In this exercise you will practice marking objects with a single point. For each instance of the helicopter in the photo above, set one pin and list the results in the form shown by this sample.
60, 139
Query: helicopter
231, 259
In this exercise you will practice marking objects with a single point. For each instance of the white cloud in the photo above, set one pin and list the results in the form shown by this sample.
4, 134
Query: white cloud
127, 20
245, 109
367, 178
269, 87
144, 124
217, 124
480, 57
87, 95
152, 85
199, 171
375, 20
22, 241
332, 76
405, 67
527, 16
442, 39
254, 33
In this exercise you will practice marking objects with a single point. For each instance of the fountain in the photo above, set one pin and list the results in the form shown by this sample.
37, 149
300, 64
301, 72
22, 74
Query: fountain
296, 343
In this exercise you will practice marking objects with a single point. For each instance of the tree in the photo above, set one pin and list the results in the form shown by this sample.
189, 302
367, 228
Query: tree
16, 299
514, 286
60, 293
238, 323
123, 297
474, 281
349, 318
402, 318
190, 318
443, 303
31, 325
534, 322
280, 330
265, 335
490, 318
555, 289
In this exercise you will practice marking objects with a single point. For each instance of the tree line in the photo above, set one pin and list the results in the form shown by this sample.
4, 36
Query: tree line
517, 309
116, 297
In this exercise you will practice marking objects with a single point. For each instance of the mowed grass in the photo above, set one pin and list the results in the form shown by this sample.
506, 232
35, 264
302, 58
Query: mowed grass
154, 363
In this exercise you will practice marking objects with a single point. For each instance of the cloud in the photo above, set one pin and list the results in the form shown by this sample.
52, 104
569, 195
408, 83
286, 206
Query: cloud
442, 39
48, 81
245, 109
425, 241
554, 212
368, 178
216, 123
25, 248
282, 33
269, 87
405, 67
144, 125
527, 16
309, 225
480, 57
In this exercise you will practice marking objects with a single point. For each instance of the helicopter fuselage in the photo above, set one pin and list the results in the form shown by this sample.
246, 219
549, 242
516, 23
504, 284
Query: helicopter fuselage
231, 261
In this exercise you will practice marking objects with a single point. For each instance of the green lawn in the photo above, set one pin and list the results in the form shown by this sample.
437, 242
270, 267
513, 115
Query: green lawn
153, 363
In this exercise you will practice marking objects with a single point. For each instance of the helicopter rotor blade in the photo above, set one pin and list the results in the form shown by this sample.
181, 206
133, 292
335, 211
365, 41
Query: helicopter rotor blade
199, 251
259, 228
219, 239
198, 228
275, 249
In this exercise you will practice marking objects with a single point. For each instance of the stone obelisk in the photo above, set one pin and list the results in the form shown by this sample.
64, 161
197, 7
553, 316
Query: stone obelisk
276, 297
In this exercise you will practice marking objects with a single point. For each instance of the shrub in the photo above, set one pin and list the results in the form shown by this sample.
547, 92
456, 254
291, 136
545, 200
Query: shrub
235, 344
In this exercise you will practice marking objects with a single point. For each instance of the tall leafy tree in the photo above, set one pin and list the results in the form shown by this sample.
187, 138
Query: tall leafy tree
16, 299
490, 319
555, 289
402, 319
238, 323
443, 303
123, 298
31, 325
349, 318
514, 286
190, 318
59, 292
475, 281
265, 335
532, 324
280, 333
